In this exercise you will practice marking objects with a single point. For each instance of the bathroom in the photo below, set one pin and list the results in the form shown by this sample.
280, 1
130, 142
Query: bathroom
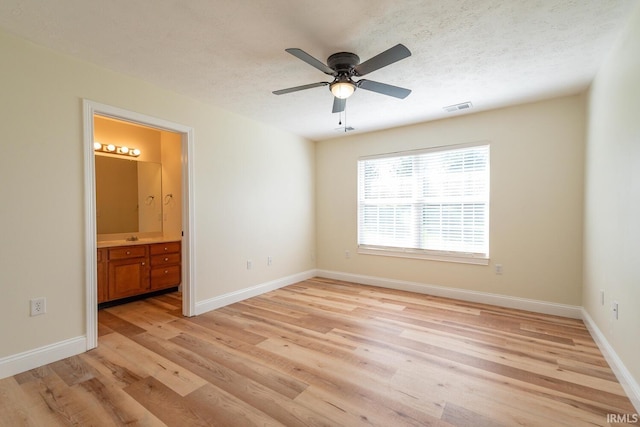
138, 210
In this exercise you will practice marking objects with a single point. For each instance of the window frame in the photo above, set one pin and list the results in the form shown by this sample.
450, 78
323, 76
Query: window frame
480, 258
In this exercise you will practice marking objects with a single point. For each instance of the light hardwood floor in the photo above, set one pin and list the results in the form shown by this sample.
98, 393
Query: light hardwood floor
324, 353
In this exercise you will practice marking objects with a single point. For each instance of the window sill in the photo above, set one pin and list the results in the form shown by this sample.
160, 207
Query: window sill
457, 257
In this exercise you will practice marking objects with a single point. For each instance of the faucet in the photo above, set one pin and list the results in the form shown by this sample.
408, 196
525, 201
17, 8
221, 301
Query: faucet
132, 239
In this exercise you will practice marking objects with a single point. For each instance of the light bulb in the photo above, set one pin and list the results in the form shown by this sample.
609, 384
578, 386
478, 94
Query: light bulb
135, 152
111, 147
124, 150
342, 90
97, 146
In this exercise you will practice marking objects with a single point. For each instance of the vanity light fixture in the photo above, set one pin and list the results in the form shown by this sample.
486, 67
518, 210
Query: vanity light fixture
115, 149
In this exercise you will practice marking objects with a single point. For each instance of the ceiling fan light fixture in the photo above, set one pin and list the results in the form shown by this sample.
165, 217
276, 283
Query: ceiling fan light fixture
343, 89
343, 66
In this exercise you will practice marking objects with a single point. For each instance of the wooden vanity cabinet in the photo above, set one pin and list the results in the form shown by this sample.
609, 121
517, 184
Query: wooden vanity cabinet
165, 265
137, 269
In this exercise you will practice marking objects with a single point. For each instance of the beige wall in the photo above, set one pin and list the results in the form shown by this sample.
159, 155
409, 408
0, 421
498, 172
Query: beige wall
253, 191
612, 199
537, 155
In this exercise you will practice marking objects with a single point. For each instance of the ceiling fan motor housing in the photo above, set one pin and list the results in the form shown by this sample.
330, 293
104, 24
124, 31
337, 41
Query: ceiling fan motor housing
343, 62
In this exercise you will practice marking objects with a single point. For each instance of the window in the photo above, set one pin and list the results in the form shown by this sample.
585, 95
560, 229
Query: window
429, 204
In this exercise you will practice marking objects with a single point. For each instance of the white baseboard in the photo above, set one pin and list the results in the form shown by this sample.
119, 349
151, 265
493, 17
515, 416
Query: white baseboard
630, 385
231, 297
17, 363
537, 306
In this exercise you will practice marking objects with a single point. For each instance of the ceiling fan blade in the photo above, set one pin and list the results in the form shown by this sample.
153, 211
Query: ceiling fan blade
297, 88
383, 59
338, 105
301, 54
383, 88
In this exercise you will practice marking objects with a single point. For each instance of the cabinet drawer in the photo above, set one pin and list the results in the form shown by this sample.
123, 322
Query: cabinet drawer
128, 252
164, 248
166, 259
165, 277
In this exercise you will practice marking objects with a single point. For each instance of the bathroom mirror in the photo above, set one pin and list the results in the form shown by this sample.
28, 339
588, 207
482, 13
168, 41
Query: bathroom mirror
128, 196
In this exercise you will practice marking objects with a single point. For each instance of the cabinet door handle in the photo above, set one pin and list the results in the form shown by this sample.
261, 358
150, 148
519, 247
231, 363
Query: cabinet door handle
143, 263
166, 272
166, 259
166, 249
128, 252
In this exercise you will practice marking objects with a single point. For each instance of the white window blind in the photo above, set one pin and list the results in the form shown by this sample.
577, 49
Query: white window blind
428, 202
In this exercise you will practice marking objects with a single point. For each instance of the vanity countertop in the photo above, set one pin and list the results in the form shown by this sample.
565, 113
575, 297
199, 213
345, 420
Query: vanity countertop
143, 241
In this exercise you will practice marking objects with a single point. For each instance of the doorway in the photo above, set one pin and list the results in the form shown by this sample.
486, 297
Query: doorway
90, 110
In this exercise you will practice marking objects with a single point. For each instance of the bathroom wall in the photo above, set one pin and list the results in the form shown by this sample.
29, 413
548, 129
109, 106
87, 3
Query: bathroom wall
117, 132
157, 146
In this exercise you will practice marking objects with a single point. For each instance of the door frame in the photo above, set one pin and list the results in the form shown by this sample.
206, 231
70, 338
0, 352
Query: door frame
91, 108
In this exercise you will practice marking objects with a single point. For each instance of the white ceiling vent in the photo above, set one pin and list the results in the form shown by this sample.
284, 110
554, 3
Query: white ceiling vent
458, 107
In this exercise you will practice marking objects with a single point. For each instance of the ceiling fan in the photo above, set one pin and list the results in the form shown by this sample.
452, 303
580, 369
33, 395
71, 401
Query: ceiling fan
344, 66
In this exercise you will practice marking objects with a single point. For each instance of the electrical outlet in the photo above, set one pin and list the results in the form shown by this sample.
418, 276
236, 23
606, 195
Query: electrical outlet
498, 268
38, 306
614, 308
249, 264
347, 254
269, 260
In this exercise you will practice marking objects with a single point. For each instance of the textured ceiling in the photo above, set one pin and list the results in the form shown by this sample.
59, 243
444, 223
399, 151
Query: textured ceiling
231, 53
